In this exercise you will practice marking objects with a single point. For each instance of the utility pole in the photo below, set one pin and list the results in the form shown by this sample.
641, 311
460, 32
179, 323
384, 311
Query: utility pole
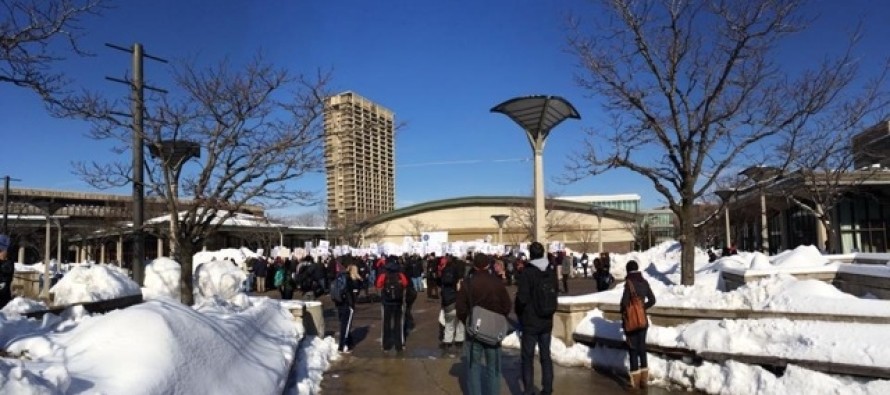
6, 179
138, 87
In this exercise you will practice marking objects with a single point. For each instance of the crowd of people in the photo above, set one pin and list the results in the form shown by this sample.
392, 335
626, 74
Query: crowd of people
459, 284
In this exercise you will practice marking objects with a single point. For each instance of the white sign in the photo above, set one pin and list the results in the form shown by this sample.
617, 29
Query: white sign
434, 238
324, 244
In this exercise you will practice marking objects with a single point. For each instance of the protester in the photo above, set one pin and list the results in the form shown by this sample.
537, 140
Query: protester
346, 307
453, 333
482, 362
636, 340
603, 278
259, 271
7, 271
392, 284
566, 261
432, 278
585, 263
536, 300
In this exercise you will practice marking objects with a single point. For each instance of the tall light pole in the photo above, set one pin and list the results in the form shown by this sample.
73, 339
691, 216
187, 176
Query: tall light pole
760, 174
500, 218
725, 195
538, 115
599, 211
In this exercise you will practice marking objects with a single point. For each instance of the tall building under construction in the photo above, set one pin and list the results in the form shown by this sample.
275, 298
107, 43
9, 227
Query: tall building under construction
359, 158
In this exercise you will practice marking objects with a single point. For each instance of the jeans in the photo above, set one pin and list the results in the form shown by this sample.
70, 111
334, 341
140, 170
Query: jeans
636, 340
542, 340
418, 283
483, 368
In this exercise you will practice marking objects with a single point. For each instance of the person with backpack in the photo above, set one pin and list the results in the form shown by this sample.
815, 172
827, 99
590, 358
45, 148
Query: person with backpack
344, 289
392, 283
636, 291
482, 361
432, 278
536, 302
453, 331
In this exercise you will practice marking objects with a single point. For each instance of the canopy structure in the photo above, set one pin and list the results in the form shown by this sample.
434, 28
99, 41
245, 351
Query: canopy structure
537, 114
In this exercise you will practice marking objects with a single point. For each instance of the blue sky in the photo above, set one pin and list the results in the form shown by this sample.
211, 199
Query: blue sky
440, 66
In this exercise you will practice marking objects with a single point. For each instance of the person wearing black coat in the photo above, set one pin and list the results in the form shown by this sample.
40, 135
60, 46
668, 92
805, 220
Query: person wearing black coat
346, 308
636, 340
536, 326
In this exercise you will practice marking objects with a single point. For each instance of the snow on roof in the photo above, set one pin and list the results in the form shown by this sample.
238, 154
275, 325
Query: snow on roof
239, 219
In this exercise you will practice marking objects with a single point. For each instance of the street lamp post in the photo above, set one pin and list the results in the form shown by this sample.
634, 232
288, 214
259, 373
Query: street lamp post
599, 211
173, 155
725, 195
538, 115
500, 218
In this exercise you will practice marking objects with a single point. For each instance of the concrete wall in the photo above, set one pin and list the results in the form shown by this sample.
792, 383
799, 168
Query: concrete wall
475, 222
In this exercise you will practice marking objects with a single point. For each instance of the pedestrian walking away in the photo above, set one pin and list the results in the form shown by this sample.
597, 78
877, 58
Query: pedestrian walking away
482, 362
392, 284
636, 287
344, 292
453, 331
536, 302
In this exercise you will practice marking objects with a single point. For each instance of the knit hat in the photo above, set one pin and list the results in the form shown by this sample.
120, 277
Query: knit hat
4, 242
481, 261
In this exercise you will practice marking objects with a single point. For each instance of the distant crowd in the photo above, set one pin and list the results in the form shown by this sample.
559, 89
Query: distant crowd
472, 292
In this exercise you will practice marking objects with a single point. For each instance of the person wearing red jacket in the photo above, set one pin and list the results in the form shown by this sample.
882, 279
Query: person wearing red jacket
392, 285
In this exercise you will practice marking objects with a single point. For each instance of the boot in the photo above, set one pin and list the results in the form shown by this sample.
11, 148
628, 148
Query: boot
644, 378
634, 378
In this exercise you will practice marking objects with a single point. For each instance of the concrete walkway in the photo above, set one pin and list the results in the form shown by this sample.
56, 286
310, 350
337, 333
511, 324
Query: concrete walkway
425, 369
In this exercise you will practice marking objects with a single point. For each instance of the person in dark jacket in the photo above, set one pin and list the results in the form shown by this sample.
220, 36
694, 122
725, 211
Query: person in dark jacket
636, 340
432, 277
585, 263
537, 326
482, 362
453, 333
393, 332
346, 308
7, 271
259, 270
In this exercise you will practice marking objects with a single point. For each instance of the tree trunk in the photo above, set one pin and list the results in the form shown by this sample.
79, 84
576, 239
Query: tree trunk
687, 243
185, 254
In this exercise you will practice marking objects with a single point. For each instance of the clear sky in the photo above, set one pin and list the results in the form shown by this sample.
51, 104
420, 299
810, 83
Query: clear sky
439, 65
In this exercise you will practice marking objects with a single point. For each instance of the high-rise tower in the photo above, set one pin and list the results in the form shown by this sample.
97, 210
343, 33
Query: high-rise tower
359, 159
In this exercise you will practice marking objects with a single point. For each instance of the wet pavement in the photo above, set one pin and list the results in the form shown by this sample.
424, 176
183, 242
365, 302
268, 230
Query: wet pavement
424, 368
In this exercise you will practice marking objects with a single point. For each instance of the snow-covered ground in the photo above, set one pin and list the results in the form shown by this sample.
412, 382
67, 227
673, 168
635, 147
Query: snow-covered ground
849, 343
227, 343
231, 343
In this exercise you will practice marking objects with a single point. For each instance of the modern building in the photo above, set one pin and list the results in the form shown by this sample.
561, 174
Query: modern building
627, 202
359, 158
471, 218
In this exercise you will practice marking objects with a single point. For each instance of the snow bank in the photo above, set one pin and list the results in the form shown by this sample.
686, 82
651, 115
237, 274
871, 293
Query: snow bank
92, 283
219, 281
237, 255
162, 279
314, 359
20, 305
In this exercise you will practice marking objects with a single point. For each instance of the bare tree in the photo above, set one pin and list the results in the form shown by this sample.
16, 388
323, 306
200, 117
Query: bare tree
416, 228
259, 130
30, 33
691, 87
521, 223
824, 173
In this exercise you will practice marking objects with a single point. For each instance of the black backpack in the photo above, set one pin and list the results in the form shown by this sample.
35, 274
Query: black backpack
544, 293
449, 275
393, 291
339, 288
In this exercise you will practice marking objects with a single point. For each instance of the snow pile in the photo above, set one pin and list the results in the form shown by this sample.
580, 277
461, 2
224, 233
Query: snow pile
663, 258
314, 359
219, 282
237, 255
162, 279
93, 283
157, 347
20, 305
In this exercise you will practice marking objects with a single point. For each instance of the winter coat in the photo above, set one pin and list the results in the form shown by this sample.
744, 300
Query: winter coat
487, 290
531, 279
641, 288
